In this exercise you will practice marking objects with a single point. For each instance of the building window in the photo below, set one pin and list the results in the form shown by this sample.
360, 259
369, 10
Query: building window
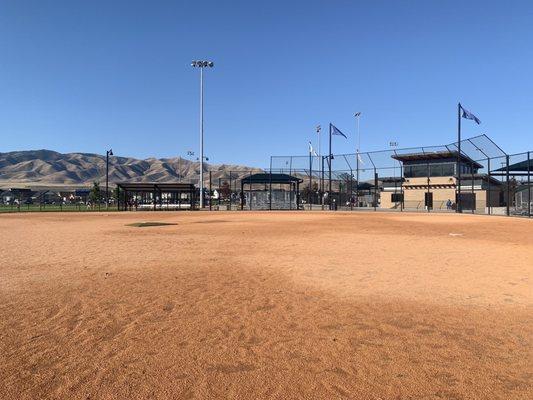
435, 170
397, 197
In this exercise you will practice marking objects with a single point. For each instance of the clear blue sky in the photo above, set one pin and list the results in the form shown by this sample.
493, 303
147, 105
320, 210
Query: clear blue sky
87, 75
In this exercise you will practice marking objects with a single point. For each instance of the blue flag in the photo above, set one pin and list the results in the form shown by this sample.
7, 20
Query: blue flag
468, 115
335, 131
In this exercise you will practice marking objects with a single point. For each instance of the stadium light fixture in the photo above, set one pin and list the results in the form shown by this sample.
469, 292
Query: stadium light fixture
202, 64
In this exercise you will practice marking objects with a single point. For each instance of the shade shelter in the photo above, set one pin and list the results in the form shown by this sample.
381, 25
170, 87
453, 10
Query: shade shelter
156, 196
267, 191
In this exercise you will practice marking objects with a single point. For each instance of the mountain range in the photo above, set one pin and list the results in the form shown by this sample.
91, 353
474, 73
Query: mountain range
46, 168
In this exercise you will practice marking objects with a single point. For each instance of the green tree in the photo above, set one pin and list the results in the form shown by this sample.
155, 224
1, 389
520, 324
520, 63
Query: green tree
95, 194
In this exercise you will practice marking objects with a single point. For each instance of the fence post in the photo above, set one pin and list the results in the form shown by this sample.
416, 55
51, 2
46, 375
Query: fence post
489, 193
351, 189
250, 190
310, 179
322, 184
428, 191
375, 190
210, 191
402, 204
473, 194
270, 186
230, 191
508, 188
528, 185
357, 179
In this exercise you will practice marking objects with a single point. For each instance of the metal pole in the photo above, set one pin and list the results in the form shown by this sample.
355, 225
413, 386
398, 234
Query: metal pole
351, 188
489, 194
210, 190
329, 177
473, 194
458, 205
357, 115
318, 129
375, 189
270, 186
250, 190
310, 178
428, 191
201, 138
528, 184
107, 180
402, 204
230, 191
357, 180
322, 184
508, 188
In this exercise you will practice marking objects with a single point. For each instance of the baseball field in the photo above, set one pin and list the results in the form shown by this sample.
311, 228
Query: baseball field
273, 305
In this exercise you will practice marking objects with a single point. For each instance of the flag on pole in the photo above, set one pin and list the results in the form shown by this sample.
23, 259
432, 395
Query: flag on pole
468, 115
311, 150
336, 131
360, 158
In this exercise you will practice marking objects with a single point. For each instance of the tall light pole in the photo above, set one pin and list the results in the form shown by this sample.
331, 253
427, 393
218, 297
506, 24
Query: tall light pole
357, 115
318, 129
108, 153
202, 65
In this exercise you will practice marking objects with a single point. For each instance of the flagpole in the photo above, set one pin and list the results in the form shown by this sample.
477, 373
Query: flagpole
458, 206
357, 116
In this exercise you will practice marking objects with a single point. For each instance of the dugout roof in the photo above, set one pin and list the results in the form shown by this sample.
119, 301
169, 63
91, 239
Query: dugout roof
270, 178
434, 156
522, 166
155, 187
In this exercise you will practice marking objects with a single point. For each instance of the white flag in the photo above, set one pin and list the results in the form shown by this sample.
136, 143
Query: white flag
359, 158
311, 150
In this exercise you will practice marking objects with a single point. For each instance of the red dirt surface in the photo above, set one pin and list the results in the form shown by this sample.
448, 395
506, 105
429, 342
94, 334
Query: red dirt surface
281, 305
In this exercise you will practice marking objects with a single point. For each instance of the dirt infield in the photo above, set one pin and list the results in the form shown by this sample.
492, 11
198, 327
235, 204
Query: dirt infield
300, 305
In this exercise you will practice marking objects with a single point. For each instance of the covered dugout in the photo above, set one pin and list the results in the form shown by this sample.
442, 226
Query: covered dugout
156, 196
266, 191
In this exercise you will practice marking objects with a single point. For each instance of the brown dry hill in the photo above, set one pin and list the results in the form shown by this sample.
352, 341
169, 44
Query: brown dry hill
50, 168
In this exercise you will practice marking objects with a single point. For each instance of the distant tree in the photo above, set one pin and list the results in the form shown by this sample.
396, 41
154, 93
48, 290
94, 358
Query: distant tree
346, 181
304, 194
95, 194
225, 190
115, 195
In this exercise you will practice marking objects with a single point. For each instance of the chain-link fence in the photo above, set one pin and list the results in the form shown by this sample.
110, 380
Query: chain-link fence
474, 176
